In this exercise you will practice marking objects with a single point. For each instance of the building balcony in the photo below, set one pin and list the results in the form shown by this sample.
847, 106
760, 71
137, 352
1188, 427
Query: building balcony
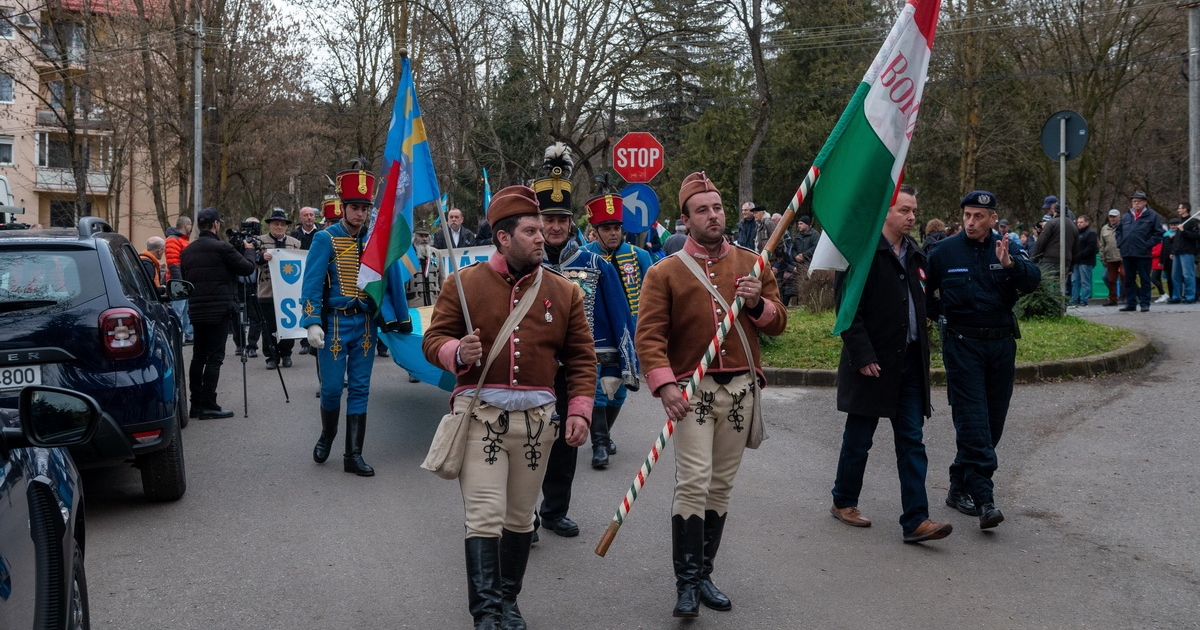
62, 180
96, 121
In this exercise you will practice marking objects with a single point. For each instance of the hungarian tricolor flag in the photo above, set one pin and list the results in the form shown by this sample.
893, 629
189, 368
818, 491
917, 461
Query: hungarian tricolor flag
860, 166
409, 181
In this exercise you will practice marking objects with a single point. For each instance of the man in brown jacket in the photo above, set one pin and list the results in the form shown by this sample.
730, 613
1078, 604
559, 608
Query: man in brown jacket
513, 425
675, 327
1110, 255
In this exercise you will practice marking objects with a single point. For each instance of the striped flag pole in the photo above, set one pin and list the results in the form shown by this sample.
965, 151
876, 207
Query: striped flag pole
726, 325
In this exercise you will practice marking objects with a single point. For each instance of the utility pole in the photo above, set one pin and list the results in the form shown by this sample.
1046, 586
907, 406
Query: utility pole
1193, 10
197, 141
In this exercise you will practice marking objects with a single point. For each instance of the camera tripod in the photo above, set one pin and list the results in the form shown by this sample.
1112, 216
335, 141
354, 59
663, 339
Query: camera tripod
248, 294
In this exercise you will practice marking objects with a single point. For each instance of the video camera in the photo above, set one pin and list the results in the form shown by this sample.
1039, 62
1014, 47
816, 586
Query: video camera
248, 232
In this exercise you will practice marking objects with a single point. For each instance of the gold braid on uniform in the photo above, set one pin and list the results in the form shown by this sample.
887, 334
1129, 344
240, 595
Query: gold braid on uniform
533, 441
335, 342
366, 340
705, 405
347, 266
493, 443
735, 415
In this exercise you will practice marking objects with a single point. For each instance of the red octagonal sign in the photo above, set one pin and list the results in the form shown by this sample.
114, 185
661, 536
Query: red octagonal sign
638, 157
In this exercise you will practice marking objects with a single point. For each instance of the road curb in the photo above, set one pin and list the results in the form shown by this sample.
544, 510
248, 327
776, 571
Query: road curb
1132, 355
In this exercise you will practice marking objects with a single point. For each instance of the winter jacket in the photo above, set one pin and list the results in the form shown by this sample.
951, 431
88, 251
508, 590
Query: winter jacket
211, 265
1087, 248
1136, 236
176, 241
1109, 252
1187, 238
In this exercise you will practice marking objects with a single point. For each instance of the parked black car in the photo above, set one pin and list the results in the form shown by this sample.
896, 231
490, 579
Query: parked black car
42, 580
77, 310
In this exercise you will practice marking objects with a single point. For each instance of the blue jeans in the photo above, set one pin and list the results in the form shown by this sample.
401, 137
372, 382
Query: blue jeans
1081, 284
911, 462
1183, 277
979, 385
1137, 280
181, 309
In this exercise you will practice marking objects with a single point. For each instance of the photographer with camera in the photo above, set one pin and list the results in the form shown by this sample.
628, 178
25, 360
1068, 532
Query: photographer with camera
278, 351
211, 265
246, 241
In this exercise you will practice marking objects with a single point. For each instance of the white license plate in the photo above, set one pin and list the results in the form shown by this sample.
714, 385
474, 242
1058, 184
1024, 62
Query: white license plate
18, 376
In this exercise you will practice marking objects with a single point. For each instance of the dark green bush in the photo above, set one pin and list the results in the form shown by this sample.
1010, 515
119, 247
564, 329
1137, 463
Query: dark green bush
1047, 301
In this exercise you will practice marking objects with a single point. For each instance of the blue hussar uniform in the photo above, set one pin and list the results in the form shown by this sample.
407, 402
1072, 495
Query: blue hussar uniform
975, 296
332, 300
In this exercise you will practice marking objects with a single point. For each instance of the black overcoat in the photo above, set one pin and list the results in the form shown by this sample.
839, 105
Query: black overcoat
879, 334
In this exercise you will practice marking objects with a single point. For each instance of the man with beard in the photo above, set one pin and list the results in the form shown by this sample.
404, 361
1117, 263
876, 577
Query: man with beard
608, 317
513, 426
679, 318
333, 303
424, 285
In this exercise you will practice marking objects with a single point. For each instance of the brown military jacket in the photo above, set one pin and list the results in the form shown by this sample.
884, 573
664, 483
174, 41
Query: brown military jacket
679, 318
554, 330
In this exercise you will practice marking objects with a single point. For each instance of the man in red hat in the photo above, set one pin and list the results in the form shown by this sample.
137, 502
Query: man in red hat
337, 315
606, 213
513, 425
711, 429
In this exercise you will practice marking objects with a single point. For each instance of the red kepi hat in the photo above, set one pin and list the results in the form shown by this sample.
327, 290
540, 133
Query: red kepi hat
356, 186
331, 208
603, 209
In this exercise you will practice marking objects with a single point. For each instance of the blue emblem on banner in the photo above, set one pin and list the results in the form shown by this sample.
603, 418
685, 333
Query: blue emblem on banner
291, 271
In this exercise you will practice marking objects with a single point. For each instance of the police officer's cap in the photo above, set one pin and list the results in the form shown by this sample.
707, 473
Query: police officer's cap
979, 199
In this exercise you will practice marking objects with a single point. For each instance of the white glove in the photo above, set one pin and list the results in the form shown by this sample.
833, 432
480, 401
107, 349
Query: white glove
610, 384
316, 336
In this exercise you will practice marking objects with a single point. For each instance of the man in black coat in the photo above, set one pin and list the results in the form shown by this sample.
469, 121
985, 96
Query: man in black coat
884, 372
211, 265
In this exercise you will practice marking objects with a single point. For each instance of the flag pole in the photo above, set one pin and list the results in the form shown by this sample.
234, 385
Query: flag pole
462, 296
726, 325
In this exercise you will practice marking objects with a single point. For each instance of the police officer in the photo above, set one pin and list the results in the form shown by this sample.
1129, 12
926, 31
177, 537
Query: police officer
337, 315
975, 278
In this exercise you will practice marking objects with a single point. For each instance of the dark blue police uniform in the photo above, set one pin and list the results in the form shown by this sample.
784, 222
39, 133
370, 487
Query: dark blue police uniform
975, 294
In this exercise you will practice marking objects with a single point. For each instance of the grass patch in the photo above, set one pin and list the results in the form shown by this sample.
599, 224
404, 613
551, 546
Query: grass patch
808, 344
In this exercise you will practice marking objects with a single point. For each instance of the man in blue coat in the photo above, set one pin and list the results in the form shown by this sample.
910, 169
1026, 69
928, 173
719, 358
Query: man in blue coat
1138, 232
337, 315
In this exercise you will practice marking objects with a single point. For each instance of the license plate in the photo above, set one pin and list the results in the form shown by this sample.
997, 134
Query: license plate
18, 376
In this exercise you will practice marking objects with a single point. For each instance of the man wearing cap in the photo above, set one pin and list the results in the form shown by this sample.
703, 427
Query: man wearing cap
1110, 256
711, 429
608, 318
804, 245
211, 265
1046, 249
884, 373
337, 315
675, 241
1138, 232
424, 285
278, 351
1007, 232
606, 213
513, 425
974, 280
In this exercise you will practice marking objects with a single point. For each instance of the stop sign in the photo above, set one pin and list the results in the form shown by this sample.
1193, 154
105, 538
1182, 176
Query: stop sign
638, 157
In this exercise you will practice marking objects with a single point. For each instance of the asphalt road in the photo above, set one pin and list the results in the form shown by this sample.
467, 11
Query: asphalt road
1097, 480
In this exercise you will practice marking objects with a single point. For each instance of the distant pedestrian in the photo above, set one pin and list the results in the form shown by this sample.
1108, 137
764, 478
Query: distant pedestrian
1085, 260
1137, 233
1110, 257
1184, 249
178, 237
278, 351
154, 260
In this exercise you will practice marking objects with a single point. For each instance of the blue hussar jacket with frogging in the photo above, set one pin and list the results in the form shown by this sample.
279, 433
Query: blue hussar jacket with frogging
631, 263
604, 304
333, 262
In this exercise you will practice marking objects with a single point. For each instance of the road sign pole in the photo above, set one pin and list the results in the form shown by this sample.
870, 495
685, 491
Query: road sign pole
1063, 274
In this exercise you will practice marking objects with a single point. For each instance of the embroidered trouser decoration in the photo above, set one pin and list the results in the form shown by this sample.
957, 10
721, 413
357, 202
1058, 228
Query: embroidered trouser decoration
708, 454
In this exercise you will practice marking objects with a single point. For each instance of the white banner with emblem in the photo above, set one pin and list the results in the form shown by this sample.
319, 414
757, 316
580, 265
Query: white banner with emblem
287, 278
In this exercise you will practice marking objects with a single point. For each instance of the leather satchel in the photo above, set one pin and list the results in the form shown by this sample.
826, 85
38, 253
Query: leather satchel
449, 447
758, 429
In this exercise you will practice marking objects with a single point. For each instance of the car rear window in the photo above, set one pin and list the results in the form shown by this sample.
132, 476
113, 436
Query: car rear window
33, 279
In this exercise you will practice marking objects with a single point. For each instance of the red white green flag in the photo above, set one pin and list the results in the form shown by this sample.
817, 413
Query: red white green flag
861, 163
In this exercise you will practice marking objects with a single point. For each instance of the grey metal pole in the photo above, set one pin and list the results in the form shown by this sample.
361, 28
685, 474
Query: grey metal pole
197, 141
1194, 105
1062, 204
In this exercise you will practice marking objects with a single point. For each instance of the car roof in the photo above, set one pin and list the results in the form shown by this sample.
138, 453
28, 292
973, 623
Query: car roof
59, 236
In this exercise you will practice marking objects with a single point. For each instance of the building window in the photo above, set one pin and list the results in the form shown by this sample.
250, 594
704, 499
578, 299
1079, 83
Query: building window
7, 30
6, 150
6, 88
52, 152
65, 213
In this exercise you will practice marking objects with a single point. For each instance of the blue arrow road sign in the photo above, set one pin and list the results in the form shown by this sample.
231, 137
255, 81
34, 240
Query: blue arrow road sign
641, 208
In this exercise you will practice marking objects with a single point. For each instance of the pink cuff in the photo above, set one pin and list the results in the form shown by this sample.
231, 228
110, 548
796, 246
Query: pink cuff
447, 356
658, 377
768, 313
581, 406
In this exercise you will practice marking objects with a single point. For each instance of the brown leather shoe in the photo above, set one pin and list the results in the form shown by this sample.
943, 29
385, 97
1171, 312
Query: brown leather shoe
929, 530
850, 516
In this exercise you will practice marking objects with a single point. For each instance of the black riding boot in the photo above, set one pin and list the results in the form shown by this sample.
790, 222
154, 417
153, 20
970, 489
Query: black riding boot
599, 438
612, 413
483, 582
710, 595
356, 429
329, 425
514, 556
687, 538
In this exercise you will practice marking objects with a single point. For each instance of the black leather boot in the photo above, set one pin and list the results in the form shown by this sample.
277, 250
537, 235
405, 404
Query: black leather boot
514, 556
599, 438
710, 595
612, 413
329, 425
687, 538
356, 429
483, 582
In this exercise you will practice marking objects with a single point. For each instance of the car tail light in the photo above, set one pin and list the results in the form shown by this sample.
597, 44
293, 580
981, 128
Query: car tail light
122, 331
146, 437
